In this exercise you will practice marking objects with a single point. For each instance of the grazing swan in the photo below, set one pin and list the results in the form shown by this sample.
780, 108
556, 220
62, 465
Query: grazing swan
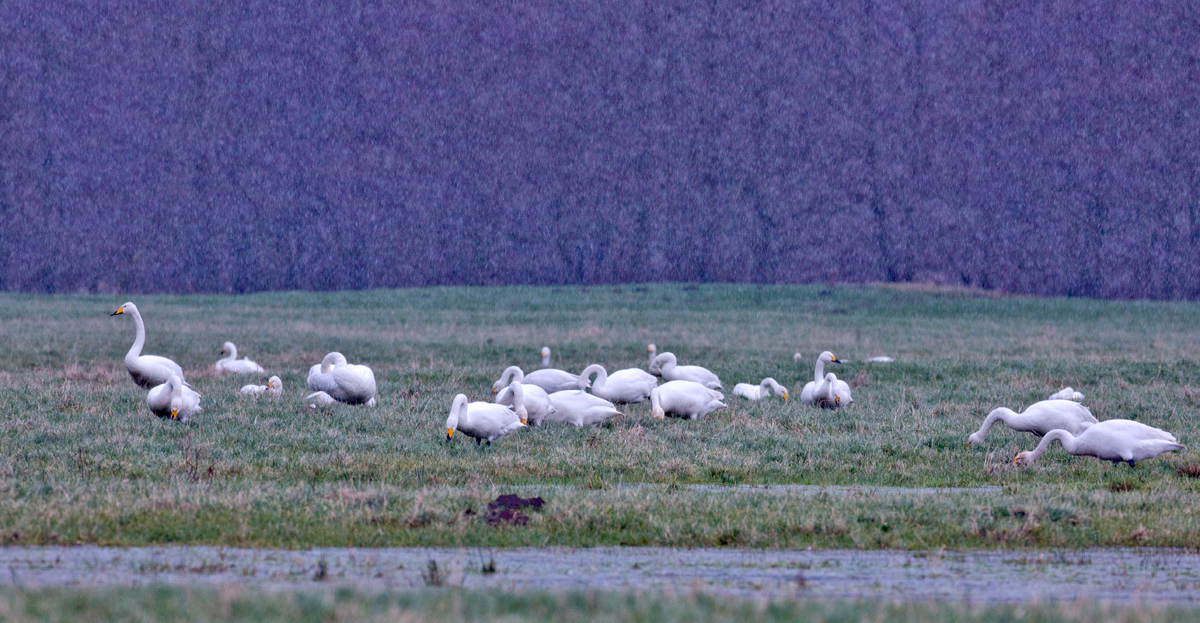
535, 400
173, 400
665, 365
653, 350
147, 370
686, 398
807, 394
231, 363
1039, 418
274, 387
346, 382
481, 420
320, 376
513, 397
760, 391
545, 356
1066, 393
1110, 440
580, 408
548, 379
623, 386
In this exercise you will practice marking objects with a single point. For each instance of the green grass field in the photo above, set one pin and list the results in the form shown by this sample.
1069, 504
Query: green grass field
82, 460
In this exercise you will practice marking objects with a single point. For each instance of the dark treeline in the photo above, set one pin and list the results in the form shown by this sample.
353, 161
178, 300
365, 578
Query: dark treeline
214, 145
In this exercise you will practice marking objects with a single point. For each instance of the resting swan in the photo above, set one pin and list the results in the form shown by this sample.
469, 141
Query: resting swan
1110, 440
349, 383
686, 398
231, 363
548, 379
147, 370
173, 400
481, 420
760, 391
807, 395
666, 366
1039, 418
623, 386
274, 387
534, 399
1066, 393
320, 376
580, 408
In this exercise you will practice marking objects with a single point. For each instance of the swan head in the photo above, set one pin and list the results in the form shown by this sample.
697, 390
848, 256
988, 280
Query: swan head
126, 308
828, 357
460, 403
545, 351
275, 383
796, 357
228, 347
1023, 458
975, 440
651, 348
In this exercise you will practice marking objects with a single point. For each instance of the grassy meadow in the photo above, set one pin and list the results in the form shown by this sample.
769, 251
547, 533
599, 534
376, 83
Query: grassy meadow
82, 460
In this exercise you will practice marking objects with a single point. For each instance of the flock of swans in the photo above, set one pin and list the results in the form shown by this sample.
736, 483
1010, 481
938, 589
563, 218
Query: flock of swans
550, 395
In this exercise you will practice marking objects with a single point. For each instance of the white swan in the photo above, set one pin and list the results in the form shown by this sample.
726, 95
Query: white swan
535, 399
274, 387
346, 382
580, 408
513, 397
320, 376
545, 356
146, 370
826, 394
653, 350
623, 386
686, 398
807, 394
1039, 418
760, 391
667, 368
1066, 393
1110, 440
232, 364
796, 357
548, 379
173, 400
481, 420
881, 360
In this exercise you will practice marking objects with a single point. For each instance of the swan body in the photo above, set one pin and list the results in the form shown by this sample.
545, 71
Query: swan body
535, 400
623, 386
548, 379
147, 370
232, 364
580, 408
1066, 393
481, 420
173, 400
685, 398
319, 399
808, 394
320, 376
274, 387
760, 391
545, 356
344, 382
1111, 440
667, 368
881, 360
1039, 418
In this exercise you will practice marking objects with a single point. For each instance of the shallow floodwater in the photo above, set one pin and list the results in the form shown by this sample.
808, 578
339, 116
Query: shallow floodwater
1097, 574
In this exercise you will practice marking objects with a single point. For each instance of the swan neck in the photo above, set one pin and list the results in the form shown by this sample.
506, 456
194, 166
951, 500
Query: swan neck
140, 340
1068, 441
512, 373
819, 371
1000, 413
599, 371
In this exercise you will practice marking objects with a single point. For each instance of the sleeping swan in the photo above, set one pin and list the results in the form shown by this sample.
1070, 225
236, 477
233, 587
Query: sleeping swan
685, 398
349, 383
623, 386
580, 408
320, 376
1111, 440
147, 370
665, 366
1040, 418
481, 420
231, 363
173, 400
760, 391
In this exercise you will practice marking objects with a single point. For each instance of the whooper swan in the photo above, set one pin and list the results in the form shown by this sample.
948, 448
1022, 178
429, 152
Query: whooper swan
623, 386
688, 399
274, 387
481, 420
807, 395
234, 365
1039, 418
173, 400
536, 401
1066, 393
1111, 440
760, 391
549, 379
147, 370
346, 382
580, 408
666, 366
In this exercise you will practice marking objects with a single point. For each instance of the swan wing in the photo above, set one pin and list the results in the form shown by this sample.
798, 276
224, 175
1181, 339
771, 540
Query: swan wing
746, 390
553, 380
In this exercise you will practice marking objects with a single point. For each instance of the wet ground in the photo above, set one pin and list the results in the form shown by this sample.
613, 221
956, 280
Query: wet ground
1110, 575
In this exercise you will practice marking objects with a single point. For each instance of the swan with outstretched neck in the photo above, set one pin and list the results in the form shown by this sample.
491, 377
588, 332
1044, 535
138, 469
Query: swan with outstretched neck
1119, 441
234, 365
1039, 418
760, 391
668, 368
623, 386
147, 370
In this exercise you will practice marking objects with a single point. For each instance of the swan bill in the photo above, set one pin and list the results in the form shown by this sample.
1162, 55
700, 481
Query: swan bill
120, 310
174, 414
449, 434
